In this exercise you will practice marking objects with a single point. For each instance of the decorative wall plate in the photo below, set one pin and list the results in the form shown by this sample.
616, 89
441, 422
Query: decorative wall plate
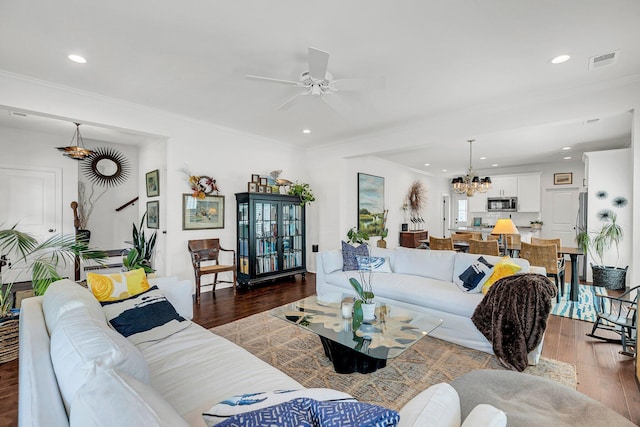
106, 167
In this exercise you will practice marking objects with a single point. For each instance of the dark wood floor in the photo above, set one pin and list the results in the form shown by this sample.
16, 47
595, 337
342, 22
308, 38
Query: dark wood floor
603, 374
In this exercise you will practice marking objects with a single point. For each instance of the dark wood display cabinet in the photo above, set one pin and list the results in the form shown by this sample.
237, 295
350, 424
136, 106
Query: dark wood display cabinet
271, 237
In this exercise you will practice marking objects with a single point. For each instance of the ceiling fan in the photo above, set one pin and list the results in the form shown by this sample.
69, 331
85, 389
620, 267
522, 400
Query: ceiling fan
318, 82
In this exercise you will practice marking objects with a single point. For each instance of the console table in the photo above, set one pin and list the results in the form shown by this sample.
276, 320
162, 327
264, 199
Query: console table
411, 239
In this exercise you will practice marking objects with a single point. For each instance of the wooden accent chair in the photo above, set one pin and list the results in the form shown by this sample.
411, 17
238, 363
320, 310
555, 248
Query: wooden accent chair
621, 317
484, 247
440, 244
207, 251
545, 256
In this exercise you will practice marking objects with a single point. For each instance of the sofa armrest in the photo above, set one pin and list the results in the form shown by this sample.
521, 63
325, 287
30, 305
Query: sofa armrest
538, 270
437, 406
178, 292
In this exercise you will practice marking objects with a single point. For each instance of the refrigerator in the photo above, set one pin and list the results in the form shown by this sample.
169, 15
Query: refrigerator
581, 224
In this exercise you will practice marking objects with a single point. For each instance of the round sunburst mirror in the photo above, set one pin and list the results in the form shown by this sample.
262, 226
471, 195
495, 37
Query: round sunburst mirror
106, 167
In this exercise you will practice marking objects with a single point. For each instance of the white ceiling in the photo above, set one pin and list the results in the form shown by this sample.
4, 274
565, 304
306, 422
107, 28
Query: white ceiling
190, 58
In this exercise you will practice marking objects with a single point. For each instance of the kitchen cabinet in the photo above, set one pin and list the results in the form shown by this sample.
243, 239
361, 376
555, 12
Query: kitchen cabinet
503, 186
529, 193
477, 202
271, 237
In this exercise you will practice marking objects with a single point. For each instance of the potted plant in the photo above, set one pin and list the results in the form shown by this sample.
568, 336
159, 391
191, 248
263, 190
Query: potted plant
597, 243
364, 306
384, 232
355, 236
536, 224
140, 255
303, 191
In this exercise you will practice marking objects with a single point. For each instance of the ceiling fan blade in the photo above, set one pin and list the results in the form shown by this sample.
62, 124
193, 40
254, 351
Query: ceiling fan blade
291, 101
336, 104
279, 81
318, 62
359, 84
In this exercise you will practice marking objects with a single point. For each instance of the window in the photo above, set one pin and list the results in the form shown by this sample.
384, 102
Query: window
462, 210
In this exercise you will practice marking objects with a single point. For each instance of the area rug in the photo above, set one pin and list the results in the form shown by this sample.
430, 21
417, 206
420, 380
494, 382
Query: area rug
586, 306
299, 354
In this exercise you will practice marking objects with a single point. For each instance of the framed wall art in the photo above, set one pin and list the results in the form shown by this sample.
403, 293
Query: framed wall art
370, 203
153, 214
152, 180
563, 178
252, 187
202, 213
255, 178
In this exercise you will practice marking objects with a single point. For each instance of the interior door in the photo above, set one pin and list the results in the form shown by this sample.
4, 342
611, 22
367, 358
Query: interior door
559, 215
31, 198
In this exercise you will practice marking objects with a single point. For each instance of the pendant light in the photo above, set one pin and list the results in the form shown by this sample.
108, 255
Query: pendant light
76, 150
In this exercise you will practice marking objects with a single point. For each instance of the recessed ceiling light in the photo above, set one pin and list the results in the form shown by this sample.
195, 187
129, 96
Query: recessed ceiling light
444, 170
566, 148
560, 59
494, 165
306, 131
77, 58
483, 158
427, 164
567, 158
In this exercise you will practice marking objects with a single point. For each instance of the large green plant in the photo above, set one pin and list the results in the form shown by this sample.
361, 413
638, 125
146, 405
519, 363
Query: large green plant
357, 236
596, 243
140, 255
303, 191
42, 258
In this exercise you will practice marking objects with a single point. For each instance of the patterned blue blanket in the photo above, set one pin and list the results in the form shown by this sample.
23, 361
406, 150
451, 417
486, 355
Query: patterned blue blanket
305, 412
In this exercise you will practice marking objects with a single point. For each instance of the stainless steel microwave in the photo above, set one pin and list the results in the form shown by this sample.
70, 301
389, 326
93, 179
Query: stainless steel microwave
502, 204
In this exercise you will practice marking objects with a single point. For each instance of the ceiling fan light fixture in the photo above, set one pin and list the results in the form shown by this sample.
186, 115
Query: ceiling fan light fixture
76, 150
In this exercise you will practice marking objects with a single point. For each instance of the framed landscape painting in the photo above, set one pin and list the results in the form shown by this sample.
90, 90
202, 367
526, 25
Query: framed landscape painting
370, 203
201, 214
562, 178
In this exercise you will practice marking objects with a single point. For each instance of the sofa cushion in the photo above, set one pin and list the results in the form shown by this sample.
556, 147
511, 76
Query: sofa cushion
505, 267
420, 262
332, 260
80, 346
240, 403
484, 415
144, 318
474, 275
115, 399
116, 286
385, 253
65, 297
437, 406
373, 263
349, 254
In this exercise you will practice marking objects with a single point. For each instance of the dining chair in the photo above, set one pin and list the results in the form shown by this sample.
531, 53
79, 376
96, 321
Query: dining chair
545, 256
207, 251
493, 237
484, 247
557, 242
440, 244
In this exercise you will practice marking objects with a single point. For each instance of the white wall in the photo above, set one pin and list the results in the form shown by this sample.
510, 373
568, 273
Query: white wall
609, 171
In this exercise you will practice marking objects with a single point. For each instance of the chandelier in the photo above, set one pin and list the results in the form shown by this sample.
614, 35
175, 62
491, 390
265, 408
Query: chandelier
77, 151
470, 183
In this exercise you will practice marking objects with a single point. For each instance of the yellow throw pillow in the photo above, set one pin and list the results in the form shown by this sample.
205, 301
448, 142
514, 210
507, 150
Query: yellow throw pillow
117, 286
503, 268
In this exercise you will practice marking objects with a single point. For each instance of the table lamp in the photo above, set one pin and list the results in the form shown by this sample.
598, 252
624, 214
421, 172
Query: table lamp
504, 226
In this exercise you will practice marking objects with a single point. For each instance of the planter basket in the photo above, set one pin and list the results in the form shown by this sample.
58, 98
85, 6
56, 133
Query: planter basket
9, 328
609, 277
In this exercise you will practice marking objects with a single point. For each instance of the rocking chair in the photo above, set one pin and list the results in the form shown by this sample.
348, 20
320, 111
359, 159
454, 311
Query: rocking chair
621, 318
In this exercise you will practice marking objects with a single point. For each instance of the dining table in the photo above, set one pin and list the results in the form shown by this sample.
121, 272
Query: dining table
514, 250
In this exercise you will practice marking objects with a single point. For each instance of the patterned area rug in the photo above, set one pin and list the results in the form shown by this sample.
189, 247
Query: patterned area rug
586, 306
299, 353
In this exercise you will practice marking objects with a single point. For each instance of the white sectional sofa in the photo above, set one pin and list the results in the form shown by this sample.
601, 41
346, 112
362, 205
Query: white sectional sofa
76, 370
421, 280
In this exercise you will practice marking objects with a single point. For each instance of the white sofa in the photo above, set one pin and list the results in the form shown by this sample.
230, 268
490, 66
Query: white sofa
87, 382
421, 280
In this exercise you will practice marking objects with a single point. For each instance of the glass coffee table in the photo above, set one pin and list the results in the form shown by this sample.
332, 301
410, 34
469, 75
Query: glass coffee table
366, 349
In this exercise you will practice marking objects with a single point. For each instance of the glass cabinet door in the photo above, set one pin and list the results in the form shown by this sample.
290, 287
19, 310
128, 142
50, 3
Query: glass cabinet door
266, 236
292, 235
